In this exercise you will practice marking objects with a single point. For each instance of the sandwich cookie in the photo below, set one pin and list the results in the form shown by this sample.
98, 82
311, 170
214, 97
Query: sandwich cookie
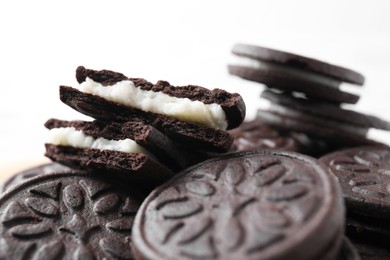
254, 205
294, 73
113, 147
190, 115
68, 215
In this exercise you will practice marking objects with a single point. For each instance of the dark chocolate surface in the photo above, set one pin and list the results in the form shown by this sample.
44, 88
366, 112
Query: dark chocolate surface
136, 167
256, 135
322, 131
364, 175
325, 111
72, 215
22, 176
258, 205
298, 61
279, 80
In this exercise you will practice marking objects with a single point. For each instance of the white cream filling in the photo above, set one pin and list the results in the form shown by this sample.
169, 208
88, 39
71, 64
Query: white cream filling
69, 136
357, 130
287, 70
125, 93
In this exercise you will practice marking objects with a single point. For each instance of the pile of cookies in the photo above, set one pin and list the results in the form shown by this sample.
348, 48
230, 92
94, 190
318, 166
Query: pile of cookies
306, 115
305, 98
138, 181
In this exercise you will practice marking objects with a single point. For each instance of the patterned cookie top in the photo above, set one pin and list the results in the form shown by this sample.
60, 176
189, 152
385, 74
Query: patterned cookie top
364, 175
71, 215
256, 205
22, 176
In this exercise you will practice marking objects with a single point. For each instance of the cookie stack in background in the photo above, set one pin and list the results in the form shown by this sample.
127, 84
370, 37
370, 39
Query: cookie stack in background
305, 98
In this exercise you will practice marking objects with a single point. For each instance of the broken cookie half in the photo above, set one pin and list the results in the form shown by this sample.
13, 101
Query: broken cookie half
131, 148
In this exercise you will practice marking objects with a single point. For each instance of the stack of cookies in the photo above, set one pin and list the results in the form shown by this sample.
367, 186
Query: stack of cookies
306, 115
364, 175
305, 97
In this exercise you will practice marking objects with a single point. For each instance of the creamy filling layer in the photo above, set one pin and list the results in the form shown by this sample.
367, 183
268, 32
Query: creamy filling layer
69, 136
125, 93
287, 70
356, 130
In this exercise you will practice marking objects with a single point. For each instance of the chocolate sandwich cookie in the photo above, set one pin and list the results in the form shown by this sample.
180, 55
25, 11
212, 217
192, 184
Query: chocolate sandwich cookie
254, 205
22, 176
123, 136
70, 215
291, 72
256, 135
112, 147
190, 114
363, 173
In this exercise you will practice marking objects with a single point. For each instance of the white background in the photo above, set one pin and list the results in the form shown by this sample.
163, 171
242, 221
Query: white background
184, 42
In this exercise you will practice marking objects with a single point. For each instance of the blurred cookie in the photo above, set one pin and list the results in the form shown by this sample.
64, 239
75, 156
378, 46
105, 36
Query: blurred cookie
363, 173
256, 135
294, 73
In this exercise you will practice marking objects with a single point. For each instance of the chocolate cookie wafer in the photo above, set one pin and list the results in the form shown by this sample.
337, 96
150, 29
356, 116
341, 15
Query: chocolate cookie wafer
189, 115
294, 73
69, 215
256, 205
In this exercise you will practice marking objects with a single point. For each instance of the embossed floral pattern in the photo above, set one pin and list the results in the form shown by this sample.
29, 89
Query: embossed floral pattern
242, 207
67, 216
364, 174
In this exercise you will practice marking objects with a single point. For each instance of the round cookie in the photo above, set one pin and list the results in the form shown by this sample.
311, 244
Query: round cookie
254, 205
22, 176
291, 72
256, 135
364, 175
68, 215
